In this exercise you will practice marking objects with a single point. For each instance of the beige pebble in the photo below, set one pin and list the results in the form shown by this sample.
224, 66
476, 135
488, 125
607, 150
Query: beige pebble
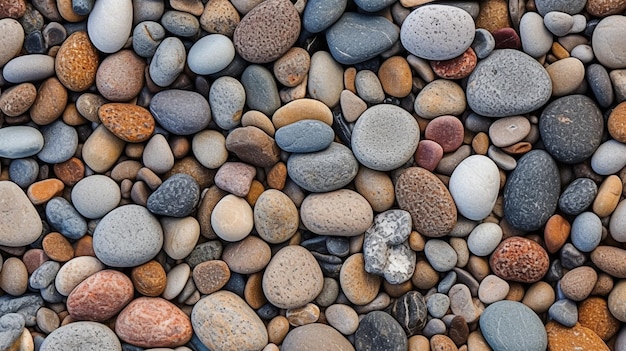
359, 286
343, 318
566, 75
258, 119
379, 303
424, 276
478, 267
441, 342
603, 286
277, 329
14, 277
462, 251
376, 187
221, 17
516, 292
301, 109
342, 213
440, 97
180, 236
306, 314
352, 106
608, 196
247, 256
476, 342
232, 218
102, 149
507, 131
209, 148
492, 288
418, 343
47, 320
611, 260
578, 283
17, 99
276, 217
292, 68
539, 297
176, 279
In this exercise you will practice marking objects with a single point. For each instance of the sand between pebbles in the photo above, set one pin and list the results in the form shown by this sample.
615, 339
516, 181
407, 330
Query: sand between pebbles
317, 175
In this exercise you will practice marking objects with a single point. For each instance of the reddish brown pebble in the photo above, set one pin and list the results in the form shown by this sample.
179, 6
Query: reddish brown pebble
153, 322
100, 296
456, 68
70, 171
277, 176
149, 279
447, 131
507, 38
50, 103
128, 122
520, 260
57, 247
616, 123
428, 154
253, 291
594, 314
16, 100
556, 232
84, 246
12, 8
42, 191
211, 276
76, 62
33, 258
292, 68
256, 189
120, 76
561, 338
253, 146
611, 260
602, 8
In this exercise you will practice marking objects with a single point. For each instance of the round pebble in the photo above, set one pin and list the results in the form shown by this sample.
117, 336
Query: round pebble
83, 335
120, 76
342, 213
95, 196
474, 186
276, 217
74, 271
608, 42
20, 221
513, 256
100, 296
586, 231
110, 24
232, 218
211, 54
176, 197
498, 323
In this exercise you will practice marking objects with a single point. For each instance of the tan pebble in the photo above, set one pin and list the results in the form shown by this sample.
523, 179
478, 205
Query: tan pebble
88, 104
307, 314
256, 189
578, 283
349, 76
603, 286
359, 286
395, 76
66, 11
50, 103
253, 291
343, 318
189, 165
608, 196
575, 338
397, 290
211, 276
277, 329
120, 76
102, 149
25, 342
292, 68
341, 212
205, 209
221, 17
16, 100
440, 97
441, 342
478, 267
594, 314
379, 303
493, 15
76, 62
492, 288
13, 277
47, 320
42, 191
516, 292
258, 119
100, 296
462, 251
125, 170
57, 247
616, 301
416, 241
418, 343
149, 279
611, 260
476, 342
559, 51
539, 297
247, 256
74, 272
425, 276
556, 233
422, 68
602, 8
301, 109
290, 94
180, 236
566, 75
376, 187
352, 106
128, 122
84, 246
194, 7
616, 123
71, 116
277, 176
480, 143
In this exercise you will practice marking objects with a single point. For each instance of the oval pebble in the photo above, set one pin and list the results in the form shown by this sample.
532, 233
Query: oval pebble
340, 213
474, 186
586, 231
232, 218
95, 196
305, 136
315, 336
180, 236
610, 260
12, 39
227, 98
168, 61
181, 112
20, 222
440, 255
209, 148
211, 54
609, 42
177, 196
609, 157
74, 271
578, 196
20, 142
64, 217
60, 142
499, 325
536, 38
28, 68
100, 296
110, 23
276, 217
519, 259
379, 331
484, 239
82, 335
440, 97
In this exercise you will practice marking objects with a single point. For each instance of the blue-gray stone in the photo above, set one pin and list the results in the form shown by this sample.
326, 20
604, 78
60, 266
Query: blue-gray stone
181, 112
60, 142
210, 250
571, 257
555, 271
267, 311
196, 345
433, 327
11, 327
571, 128
63, 217
568, 6
82, 7
304, 136
236, 284
532, 191
578, 196
378, 331
34, 43
23, 171
85, 336
565, 312
483, 43
338, 246
513, 326
50, 294
25, 305
168, 61
321, 14
180, 23
20, 141
440, 255
146, 38
261, 89
447, 282
586, 231
438, 304
44, 275
506, 83
373, 5
176, 197
600, 84
323, 171
356, 37
129, 347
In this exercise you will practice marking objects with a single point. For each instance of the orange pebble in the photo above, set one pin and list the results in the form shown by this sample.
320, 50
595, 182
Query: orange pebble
57, 247
44, 190
556, 232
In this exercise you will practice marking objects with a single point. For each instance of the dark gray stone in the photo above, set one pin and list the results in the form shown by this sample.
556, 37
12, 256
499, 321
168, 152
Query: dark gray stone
410, 310
323, 171
236, 284
378, 331
267, 311
54, 34
63, 217
571, 257
338, 246
176, 197
25, 305
23, 171
11, 327
146, 38
34, 43
180, 23
82, 7
60, 142
578, 196
321, 14
508, 82
600, 84
568, 6
373, 5
532, 191
483, 43
261, 89
316, 243
565, 312
210, 250
304, 136
181, 112
571, 128
500, 325
44, 275
356, 37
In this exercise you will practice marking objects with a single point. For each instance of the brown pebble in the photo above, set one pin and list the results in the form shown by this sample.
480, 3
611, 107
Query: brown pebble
359, 286
306, 314
608, 196
277, 329
480, 143
50, 103
12, 9
441, 342
425, 276
40, 192
556, 233
594, 314
211, 276
212, 196
258, 119
247, 256
57, 247
603, 286
120, 76
149, 278
128, 122
493, 15
292, 68
456, 68
33, 258
277, 176
221, 17
256, 189
70, 171
253, 146
578, 283
602, 8
611, 260
559, 51
72, 117
302, 109
84, 246
17, 99
574, 338
428, 154
519, 259
395, 77
76, 62
253, 291
397, 290
14, 277
539, 297
189, 165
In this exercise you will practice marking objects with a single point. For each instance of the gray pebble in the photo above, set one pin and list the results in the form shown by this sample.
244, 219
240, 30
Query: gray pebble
25, 305
28, 68
146, 38
571, 257
578, 196
20, 142
368, 87
600, 84
500, 325
261, 90
584, 53
323, 171
182, 24
338, 246
329, 294
568, 6
434, 326
483, 43
11, 327
565, 312
609, 157
60, 142
586, 231
227, 99
559, 23
477, 123
147, 10
63, 217
177, 196
54, 34
466, 278
536, 38
85, 336
440, 255
321, 14
82, 7
438, 305
50, 294
410, 311
446, 283
168, 61
44, 275
608, 42
373, 5
23, 171
378, 331
181, 112
304, 136
210, 250
618, 78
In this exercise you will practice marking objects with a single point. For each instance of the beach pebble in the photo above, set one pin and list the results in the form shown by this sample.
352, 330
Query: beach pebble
492, 289
181, 23
60, 142
438, 305
440, 255
220, 17
304, 136
320, 14
511, 259
440, 97
100, 296
127, 236
211, 54
498, 322
28, 68
609, 42
514, 73
12, 325
209, 277
368, 87
14, 277
176, 197
474, 186
137, 323
181, 112
149, 279
609, 157
610, 260
20, 221
209, 148
147, 36
18, 99
586, 231
375, 33
437, 32
235, 178
82, 335
325, 81
578, 196
565, 312
559, 23
315, 336
615, 123
484, 239
64, 217
342, 213
379, 331
11, 41
615, 301
120, 76
20, 141
536, 38
411, 311
343, 318
74, 271
76, 63
157, 155
325, 170
110, 23
384, 137
232, 218
562, 337
359, 286
227, 98
566, 75
376, 187
168, 61
23, 171
446, 131
276, 217
261, 90
180, 236
95, 196
247, 256
578, 283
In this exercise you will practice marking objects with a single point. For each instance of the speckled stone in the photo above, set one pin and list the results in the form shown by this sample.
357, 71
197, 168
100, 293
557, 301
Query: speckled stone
176, 197
20, 221
147, 36
440, 97
276, 217
578, 196
513, 257
89, 336
77, 62
501, 85
12, 40
181, 112
220, 17
315, 336
578, 336
609, 42
610, 260
427, 199
267, 31
320, 14
500, 322
168, 61
378, 331
534, 181
341, 212
100, 296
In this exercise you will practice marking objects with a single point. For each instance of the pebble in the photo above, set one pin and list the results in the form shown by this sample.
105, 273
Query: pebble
14, 277
483, 43
120, 242
180, 235
120, 76
235, 178
484, 239
20, 221
586, 231
325, 170
24, 171
438, 305
304, 136
325, 80
374, 33
608, 42
536, 38
576, 336
256, 252
50, 102
376, 187
18, 99
176, 197
509, 130
276, 217
440, 255
168, 62
211, 54
343, 318
578, 196
110, 24
209, 148
83, 335
182, 24
313, 336
513, 256
614, 123
379, 331
497, 326
74, 271
359, 286
60, 142
220, 17
595, 315
608, 259
368, 87
440, 97
12, 40
329, 213
64, 217
226, 328
565, 312
149, 279
474, 186
12, 327
100, 296
210, 276
20, 141
57, 247
410, 310
567, 75
232, 218
136, 323
92, 151
147, 36
307, 314
95, 196
76, 63
437, 32
608, 157
28, 68
261, 90
492, 289
559, 23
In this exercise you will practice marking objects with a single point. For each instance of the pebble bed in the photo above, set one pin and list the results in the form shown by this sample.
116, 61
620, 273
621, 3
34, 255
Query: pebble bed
312, 175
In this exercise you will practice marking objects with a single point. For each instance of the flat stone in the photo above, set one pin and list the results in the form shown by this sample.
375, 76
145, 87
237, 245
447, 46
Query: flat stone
342, 213
325, 82
305, 136
497, 326
20, 141
90, 336
64, 217
181, 23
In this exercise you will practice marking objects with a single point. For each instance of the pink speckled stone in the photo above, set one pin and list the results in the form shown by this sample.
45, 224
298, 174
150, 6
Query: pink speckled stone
520, 260
447, 131
428, 154
100, 296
